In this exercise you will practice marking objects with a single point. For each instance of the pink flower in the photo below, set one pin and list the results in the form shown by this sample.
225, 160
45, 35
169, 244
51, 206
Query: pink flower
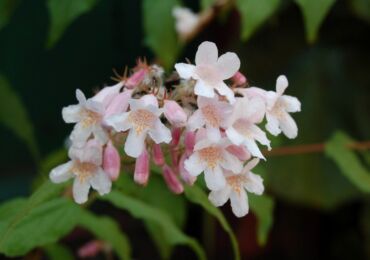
210, 71
119, 103
106, 95
141, 120
213, 114
174, 113
136, 78
111, 161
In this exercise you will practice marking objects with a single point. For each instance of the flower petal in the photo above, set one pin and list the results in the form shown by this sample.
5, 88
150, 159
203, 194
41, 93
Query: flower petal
101, 182
254, 183
160, 133
291, 104
288, 126
80, 134
202, 89
239, 203
260, 136
80, 97
219, 197
250, 165
234, 136
196, 120
272, 124
214, 178
106, 94
61, 173
185, 71
281, 84
207, 53
194, 165
253, 148
231, 163
119, 122
72, 113
224, 90
80, 190
228, 64
100, 134
134, 145
213, 133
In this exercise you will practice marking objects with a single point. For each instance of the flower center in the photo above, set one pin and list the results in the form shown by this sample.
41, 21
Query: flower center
236, 182
211, 155
141, 120
211, 115
278, 109
83, 170
90, 117
208, 74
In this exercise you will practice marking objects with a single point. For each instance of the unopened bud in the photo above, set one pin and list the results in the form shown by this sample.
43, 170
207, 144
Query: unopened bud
111, 161
171, 180
158, 157
174, 113
141, 174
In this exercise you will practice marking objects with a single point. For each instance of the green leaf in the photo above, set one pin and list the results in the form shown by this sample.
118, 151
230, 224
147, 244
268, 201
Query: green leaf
146, 212
262, 207
14, 116
58, 252
361, 8
347, 161
63, 13
108, 230
314, 13
41, 225
159, 28
205, 4
254, 13
197, 196
7, 8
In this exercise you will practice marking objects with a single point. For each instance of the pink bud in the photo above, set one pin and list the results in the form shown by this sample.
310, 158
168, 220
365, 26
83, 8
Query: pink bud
106, 94
239, 79
135, 78
239, 151
158, 155
174, 113
141, 174
189, 142
185, 175
90, 249
174, 152
111, 161
171, 180
176, 134
119, 103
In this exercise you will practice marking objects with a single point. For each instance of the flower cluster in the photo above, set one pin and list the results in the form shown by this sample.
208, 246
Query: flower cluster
203, 118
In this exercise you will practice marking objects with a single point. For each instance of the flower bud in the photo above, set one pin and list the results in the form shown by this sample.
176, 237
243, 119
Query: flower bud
171, 180
185, 175
141, 174
111, 161
189, 142
158, 155
176, 134
90, 249
135, 78
174, 113
119, 103
239, 79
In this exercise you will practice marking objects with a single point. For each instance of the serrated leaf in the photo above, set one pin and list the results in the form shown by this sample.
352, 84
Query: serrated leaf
262, 207
39, 226
14, 116
58, 252
7, 8
254, 13
108, 230
159, 28
146, 212
197, 196
63, 13
361, 8
314, 13
347, 161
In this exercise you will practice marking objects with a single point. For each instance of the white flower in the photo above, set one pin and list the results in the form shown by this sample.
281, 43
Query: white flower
212, 158
142, 119
243, 129
236, 187
85, 167
186, 20
211, 71
278, 108
211, 113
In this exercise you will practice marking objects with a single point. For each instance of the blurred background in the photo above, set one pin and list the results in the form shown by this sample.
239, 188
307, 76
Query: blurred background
317, 204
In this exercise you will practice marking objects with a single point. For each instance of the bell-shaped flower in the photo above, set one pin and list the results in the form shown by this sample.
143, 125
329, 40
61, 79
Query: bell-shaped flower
278, 108
211, 113
243, 129
85, 167
142, 120
87, 115
212, 158
236, 189
210, 71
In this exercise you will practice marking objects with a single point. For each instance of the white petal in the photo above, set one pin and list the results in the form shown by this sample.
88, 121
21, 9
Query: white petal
80, 190
254, 183
95, 106
260, 135
92, 152
80, 97
228, 64
281, 84
288, 126
106, 94
186, 71
80, 134
234, 136
160, 133
100, 134
253, 148
219, 197
196, 120
213, 133
136, 104
202, 89
72, 114
149, 100
119, 122
61, 173
251, 164
101, 182
239, 203
194, 165
207, 53
134, 145
224, 90
214, 178
202, 143
291, 104
256, 110
231, 163
272, 124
